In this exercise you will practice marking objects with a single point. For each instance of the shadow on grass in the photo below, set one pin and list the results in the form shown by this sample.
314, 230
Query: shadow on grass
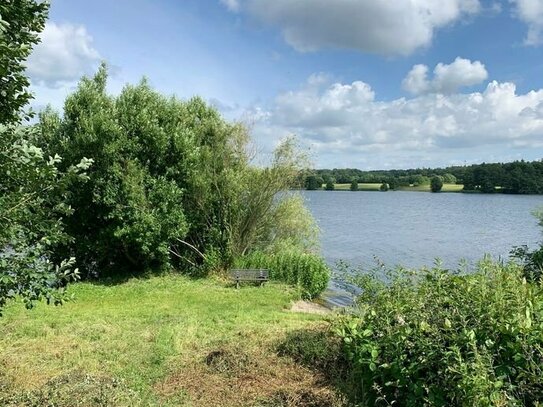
111, 278
321, 351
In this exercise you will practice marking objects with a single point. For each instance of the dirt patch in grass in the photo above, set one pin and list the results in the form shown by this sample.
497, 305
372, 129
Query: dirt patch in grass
227, 378
229, 362
303, 397
310, 308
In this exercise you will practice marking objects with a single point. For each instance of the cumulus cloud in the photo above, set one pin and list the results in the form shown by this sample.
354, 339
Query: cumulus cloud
65, 53
448, 78
384, 27
531, 12
347, 121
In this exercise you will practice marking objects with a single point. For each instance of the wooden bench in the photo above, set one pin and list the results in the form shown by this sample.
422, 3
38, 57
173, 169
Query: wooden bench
252, 275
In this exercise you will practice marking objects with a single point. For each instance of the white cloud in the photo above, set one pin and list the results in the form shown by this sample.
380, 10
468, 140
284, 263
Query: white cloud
232, 5
65, 53
448, 78
531, 12
346, 126
396, 27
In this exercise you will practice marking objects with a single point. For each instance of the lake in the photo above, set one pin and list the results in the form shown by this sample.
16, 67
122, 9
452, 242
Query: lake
415, 228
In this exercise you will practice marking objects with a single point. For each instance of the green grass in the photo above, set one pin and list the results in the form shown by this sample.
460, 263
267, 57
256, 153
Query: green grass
165, 340
420, 188
361, 187
426, 188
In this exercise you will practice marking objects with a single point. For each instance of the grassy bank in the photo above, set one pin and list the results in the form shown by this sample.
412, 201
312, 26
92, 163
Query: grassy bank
164, 340
361, 187
426, 188
419, 188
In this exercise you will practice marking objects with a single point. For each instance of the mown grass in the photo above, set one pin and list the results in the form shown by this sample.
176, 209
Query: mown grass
418, 188
361, 187
426, 188
165, 340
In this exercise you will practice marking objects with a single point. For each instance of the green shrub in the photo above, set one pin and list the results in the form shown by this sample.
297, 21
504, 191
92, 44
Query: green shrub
436, 183
307, 271
437, 338
531, 262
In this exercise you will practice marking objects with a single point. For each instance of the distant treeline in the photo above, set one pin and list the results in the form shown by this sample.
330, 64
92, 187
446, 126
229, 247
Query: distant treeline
518, 177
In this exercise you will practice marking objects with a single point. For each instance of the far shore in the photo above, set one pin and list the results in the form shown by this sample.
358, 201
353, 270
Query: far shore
377, 186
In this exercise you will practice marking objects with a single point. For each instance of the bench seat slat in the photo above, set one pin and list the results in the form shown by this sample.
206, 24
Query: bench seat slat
257, 275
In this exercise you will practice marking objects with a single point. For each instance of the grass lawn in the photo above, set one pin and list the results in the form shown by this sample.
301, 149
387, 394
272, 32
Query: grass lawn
421, 188
361, 187
166, 340
426, 188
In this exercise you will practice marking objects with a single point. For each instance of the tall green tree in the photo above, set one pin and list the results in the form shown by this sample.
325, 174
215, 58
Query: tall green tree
130, 211
171, 184
32, 189
436, 183
21, 22
313, 182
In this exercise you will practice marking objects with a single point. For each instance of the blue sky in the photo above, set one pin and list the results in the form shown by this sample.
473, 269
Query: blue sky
363, 83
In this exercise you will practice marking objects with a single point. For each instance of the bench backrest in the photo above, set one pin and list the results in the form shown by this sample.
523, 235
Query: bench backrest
250, 274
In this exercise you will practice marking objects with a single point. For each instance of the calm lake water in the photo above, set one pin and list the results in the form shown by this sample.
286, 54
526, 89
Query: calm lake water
415, 228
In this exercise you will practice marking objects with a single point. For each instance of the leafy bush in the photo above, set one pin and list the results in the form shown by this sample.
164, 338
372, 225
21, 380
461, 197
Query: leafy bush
171, 183
531, 261
315, 348
436, 183
33, 189
307, 271
437, 338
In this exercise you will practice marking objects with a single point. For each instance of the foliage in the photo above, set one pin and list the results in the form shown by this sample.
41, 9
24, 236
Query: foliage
329, 185
354, 185
172, 183
384, 187
436, 183
313, 182
32, 189
291, 226
531, 261
129, 211
20, 23
449, 178
518, 177
437, 338
32, 210
307, 271
262, 215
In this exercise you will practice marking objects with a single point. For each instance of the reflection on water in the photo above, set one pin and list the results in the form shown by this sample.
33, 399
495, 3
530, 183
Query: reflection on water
415, 228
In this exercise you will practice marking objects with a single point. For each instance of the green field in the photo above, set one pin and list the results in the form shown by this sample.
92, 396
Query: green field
426, 188
361, 187
165, 341
420, 188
